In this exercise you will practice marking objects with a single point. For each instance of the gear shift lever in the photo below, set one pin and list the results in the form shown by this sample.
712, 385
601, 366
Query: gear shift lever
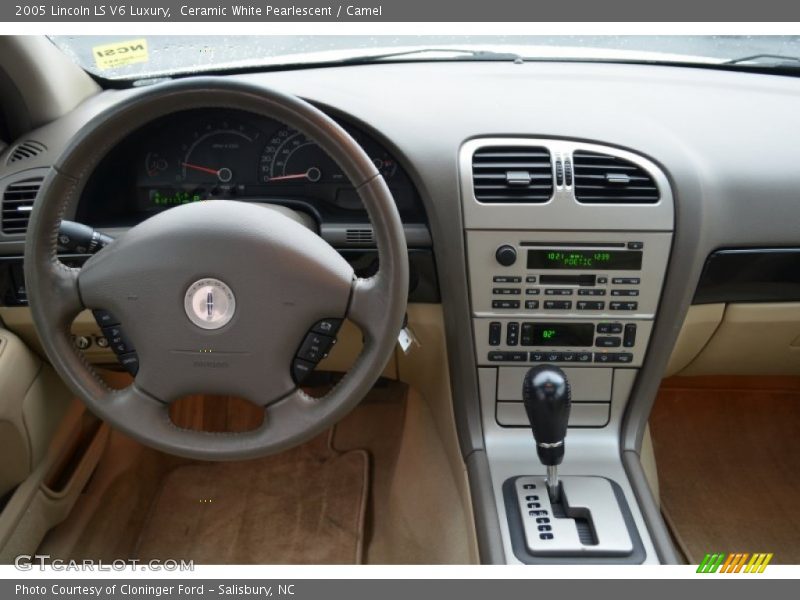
546, 394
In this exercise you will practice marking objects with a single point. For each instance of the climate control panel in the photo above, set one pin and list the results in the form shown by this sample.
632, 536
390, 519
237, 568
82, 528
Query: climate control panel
588, 343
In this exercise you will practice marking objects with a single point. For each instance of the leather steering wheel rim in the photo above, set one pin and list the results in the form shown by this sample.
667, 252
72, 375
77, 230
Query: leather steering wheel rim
57, 293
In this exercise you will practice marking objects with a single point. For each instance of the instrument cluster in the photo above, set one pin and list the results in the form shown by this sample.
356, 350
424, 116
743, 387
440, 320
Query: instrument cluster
209, 154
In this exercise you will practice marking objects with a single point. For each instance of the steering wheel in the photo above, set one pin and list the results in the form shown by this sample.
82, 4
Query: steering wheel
219, 296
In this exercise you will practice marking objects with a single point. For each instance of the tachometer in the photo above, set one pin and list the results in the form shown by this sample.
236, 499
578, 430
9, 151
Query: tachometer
220, 154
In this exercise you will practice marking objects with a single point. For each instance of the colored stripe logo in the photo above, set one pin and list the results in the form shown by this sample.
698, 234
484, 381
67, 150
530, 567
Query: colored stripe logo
739, 562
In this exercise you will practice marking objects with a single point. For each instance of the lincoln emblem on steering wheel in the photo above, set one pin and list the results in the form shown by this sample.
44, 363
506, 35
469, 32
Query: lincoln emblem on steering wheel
209, 303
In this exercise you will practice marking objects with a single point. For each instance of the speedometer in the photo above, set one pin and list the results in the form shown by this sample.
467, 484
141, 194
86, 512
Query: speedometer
292, 157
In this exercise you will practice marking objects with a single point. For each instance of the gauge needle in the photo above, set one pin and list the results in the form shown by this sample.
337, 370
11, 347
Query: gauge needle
203, 169
313, 174
284, 177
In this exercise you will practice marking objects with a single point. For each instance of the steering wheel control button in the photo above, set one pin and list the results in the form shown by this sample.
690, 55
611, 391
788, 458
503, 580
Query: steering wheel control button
130, 362
327, 326
315, 347
209, 303
117, 340
104, 318
301, 369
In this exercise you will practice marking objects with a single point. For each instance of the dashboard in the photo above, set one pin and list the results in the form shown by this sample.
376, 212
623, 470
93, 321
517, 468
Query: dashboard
720, 149
205, 154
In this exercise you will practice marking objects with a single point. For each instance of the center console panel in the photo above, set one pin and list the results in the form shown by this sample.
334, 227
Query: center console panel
567, 245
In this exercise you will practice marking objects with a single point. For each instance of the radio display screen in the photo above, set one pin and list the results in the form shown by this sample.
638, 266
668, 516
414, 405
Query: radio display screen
607, 260
558, 334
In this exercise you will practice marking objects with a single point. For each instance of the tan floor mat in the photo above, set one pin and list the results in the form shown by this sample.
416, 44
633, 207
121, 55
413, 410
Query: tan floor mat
728, 460
302, 506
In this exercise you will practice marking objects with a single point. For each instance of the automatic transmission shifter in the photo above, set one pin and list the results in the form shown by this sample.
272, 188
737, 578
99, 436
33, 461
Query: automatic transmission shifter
546, 394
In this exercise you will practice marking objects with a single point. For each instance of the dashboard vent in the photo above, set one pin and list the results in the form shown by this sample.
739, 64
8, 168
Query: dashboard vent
25, 150
17, 203
359, 236
520, 174
605, 179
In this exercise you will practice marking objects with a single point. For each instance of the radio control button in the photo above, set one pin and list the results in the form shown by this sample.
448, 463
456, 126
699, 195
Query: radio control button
609, 328
635, 245
624, 292
532, 291
495, 332
504, 291
506, 255
592, 292
608, 342
585, 305
531, 304
530, 279
624, 305
505, 303
602, 280
558, 304
626, 280
506, 279
558, 292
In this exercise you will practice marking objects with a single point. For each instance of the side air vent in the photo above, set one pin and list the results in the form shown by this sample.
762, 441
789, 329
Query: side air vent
605, 179
25, 150
359, 236
17, 203
517, 174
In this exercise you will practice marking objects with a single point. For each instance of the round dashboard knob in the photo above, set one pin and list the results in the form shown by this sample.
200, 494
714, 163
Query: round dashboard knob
506, 255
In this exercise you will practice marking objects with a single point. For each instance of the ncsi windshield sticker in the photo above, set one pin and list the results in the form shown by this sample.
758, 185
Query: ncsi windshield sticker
120, 54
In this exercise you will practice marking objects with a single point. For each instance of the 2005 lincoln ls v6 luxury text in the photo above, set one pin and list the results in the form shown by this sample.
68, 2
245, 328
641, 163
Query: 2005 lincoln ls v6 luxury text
468, 300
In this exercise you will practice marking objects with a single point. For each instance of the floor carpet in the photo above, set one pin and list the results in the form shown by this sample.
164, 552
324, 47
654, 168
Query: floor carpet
306, 505
728, 455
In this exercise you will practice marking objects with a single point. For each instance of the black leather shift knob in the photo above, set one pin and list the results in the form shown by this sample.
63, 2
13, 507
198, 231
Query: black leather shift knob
547, 398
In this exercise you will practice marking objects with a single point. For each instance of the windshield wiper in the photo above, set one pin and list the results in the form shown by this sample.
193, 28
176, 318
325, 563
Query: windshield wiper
766, 60
458, 54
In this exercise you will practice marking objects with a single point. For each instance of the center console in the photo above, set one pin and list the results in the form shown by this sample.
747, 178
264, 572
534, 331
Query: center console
567, 248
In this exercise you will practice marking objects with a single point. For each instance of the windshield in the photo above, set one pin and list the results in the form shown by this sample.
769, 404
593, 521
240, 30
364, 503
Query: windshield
137, 57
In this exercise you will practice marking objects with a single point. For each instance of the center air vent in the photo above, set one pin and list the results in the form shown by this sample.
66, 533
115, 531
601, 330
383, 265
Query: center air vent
517, 174
606, 179
17, 203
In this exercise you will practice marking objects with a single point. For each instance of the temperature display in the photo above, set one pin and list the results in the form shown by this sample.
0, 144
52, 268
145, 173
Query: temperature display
557, 334
608, 260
